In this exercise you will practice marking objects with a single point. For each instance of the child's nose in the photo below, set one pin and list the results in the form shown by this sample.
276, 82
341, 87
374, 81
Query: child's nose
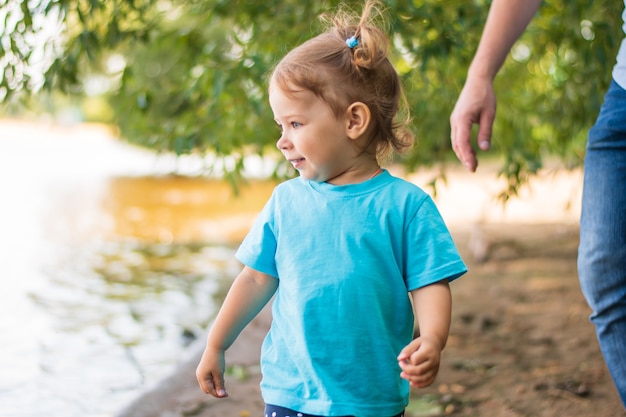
282, 142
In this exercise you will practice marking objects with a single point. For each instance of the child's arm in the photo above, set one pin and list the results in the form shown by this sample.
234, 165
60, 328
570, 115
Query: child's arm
250, 291
419, 360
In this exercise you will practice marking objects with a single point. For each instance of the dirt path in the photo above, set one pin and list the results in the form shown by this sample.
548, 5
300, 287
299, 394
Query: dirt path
521, 343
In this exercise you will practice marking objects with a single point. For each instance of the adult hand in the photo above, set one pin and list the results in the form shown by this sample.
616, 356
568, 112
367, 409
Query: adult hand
476, 105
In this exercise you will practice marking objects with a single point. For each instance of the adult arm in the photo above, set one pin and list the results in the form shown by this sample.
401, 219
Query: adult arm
476, 104
249, 293
420, 359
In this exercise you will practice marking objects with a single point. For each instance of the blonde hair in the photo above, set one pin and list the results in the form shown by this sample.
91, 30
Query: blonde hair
341, 75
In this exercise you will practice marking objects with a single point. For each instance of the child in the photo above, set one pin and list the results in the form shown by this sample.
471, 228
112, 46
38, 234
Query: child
342, 245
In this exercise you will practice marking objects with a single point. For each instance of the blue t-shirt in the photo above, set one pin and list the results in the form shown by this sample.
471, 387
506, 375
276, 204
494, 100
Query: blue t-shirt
346, 257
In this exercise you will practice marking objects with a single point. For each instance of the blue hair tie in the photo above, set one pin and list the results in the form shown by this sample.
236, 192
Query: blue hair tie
352, 42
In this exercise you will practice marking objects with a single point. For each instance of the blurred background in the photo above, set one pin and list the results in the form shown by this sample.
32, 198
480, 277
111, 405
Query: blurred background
136, 146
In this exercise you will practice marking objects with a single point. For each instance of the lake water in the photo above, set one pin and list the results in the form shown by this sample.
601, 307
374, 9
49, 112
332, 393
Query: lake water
110, 268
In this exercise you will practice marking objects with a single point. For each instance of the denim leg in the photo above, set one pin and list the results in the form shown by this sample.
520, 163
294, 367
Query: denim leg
602, 250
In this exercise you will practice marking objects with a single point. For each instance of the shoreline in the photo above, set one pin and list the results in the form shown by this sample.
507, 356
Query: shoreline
179, 393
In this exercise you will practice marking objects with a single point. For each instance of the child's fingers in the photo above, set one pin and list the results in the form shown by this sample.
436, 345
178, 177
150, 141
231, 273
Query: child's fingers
406, 353
417, 365
421, 375
220, 390
424, 381
213, 385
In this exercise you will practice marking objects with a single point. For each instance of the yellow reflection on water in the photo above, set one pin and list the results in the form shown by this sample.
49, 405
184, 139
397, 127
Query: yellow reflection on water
181, 209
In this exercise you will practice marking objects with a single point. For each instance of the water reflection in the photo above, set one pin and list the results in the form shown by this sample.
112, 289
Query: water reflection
183, 209
109, 268
121, 316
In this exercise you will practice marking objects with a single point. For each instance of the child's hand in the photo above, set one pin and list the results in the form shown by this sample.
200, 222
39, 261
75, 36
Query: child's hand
419, 362
210, 373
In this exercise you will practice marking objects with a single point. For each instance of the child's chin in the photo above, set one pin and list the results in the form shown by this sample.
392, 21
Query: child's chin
310, 177
307, 177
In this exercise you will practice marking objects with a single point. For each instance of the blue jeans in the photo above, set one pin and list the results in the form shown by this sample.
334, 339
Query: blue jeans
602, 250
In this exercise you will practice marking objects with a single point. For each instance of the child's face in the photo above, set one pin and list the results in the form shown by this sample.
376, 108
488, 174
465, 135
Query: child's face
313, 139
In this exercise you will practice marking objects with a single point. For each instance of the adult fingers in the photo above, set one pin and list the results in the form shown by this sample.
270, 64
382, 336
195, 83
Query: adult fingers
461, 143
485, 128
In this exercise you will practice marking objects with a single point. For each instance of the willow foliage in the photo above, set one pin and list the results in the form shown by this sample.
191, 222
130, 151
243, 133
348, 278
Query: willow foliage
190, 76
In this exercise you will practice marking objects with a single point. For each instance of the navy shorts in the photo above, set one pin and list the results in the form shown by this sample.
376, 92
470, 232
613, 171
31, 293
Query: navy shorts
276, 411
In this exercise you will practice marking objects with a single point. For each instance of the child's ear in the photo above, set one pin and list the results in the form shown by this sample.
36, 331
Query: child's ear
358, 119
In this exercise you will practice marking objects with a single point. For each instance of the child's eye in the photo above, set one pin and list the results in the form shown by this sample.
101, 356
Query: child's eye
296, 125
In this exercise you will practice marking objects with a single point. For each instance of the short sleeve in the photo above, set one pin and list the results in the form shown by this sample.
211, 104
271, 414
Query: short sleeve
258, 249
431, 254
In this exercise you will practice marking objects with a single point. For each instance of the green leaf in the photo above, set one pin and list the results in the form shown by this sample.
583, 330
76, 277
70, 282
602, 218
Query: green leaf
195, 72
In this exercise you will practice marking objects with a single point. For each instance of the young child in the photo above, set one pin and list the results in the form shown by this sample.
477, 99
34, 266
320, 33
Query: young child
342, 245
